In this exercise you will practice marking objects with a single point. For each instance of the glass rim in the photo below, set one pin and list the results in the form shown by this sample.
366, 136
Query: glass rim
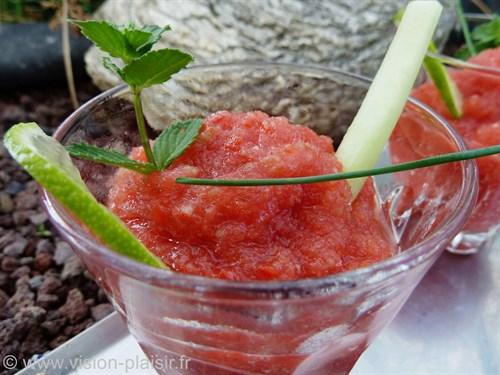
407, 259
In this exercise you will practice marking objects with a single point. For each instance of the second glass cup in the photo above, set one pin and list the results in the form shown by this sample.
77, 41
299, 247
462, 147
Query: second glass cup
196, 325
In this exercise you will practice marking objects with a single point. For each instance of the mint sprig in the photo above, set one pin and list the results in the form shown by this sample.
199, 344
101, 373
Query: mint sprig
172, 142
140, 68
482, 37
110, 157
168, 146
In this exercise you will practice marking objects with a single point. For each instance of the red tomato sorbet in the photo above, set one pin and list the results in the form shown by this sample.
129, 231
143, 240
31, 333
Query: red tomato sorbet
480, 127
253, 233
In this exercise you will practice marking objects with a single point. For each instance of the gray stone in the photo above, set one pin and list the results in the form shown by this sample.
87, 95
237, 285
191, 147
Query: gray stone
63, 252
50, 285
3, 298
7, 238
101, 311
26, 200
16, 248
74, 309
72, 268
44, 246
35, 282
39, 218
43, 261
20, 272
6, 203
9, 264
352, 35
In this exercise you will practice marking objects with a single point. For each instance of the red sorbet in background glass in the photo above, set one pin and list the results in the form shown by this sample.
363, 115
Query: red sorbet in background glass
253, 233
480, 127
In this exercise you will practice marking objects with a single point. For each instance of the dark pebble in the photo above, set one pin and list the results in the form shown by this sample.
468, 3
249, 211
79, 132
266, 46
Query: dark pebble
3, 279
3, 298
4, 177
101, 311
6, 203
35, 342
26, 261
20, 272
16, 248
27, 230
58, 341
23, 297
14, 187
43, 262
77, 328
6, 221
22, 217
39, 218
53, 327
47, 300
21, 176
74, 308
26, 200
33, 314
50, 285
7, 238
72, 268
9, 264
9, 328
63, 252
101, 296
44, 246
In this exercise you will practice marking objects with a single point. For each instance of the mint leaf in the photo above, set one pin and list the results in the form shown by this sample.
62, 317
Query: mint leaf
140, 41
483, 37
488, 33
105, 156
110, 65
126, 43
154, 67
174, 140
106, 36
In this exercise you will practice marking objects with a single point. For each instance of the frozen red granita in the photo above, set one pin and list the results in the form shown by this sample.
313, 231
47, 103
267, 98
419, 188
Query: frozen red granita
479, 126
253, 233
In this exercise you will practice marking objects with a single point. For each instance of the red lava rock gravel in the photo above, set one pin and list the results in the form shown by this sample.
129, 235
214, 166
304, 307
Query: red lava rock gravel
46, 296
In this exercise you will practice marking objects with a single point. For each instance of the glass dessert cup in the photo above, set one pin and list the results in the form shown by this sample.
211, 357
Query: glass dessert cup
197, 325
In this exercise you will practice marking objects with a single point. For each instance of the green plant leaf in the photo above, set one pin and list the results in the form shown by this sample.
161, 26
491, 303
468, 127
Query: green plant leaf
482, 37
140, 41
111, 66
106, 36
488, 33
154, 67
105, 156
174, 140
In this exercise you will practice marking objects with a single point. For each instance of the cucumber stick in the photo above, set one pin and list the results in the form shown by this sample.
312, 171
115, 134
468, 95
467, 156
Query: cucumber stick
436, 70
384, 102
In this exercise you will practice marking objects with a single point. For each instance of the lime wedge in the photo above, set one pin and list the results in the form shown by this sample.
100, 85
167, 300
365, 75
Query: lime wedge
50, 165
446, 86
